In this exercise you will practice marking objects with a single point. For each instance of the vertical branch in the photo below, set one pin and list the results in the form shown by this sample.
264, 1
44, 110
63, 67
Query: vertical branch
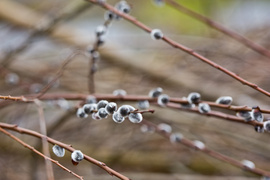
45, 144
95, 56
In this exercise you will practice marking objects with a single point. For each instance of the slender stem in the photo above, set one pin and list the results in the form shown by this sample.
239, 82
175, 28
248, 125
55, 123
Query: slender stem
217, 114
248, 43
183, 48
66, 146
174, 103
39, 153
212, 153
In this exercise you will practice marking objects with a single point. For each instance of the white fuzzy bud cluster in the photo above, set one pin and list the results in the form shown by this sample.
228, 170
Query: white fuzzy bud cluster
194, 99
121, 6
162, 99
102, 109
253, 115
76, 155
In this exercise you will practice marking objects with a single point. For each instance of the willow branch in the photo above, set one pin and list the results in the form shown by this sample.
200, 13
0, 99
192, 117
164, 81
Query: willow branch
65, 146
175, 103
216, 114
248, 43
39, 153
209, 152
183, 48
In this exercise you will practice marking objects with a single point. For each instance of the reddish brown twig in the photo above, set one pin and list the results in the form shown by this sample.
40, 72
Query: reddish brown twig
217, 114
183, 48
175, 104
67, 147
208, 151
220, 28
16, 98
39, 153
143, 111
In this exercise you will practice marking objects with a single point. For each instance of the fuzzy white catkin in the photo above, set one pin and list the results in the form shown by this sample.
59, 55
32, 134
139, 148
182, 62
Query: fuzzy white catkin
63, 104
147, 129
204, 108
144, 104
102, 113
81, 114
163, 100
155, 92
91, 99
226, 100
77, 156
246, 115
135, 117
176, 137
124, 110
95, 116
101, 30
117, 117
12, 78
119, 92
89, 108
257, 115
266, 126
102, 104
194, 97
58, 151
165, 127
248, 164
198, 144
156, 34
111, 107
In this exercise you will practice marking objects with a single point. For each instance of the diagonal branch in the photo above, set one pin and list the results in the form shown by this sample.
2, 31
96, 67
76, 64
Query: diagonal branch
39, 153
183, 48
66, 146
256, 47
209, 152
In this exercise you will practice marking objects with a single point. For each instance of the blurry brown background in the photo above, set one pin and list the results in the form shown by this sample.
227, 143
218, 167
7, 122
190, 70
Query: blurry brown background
131, 60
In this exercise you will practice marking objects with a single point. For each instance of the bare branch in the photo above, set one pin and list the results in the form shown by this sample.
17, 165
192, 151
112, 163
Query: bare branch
39, 153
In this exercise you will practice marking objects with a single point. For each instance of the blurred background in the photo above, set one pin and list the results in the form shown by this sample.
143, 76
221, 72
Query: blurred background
132, 61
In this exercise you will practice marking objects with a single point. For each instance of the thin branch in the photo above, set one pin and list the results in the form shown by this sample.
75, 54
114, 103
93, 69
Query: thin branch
16, 98
39, 153
248, 43
93, 60
209, 152
217, 114
175, 103
67, 147
183, 48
